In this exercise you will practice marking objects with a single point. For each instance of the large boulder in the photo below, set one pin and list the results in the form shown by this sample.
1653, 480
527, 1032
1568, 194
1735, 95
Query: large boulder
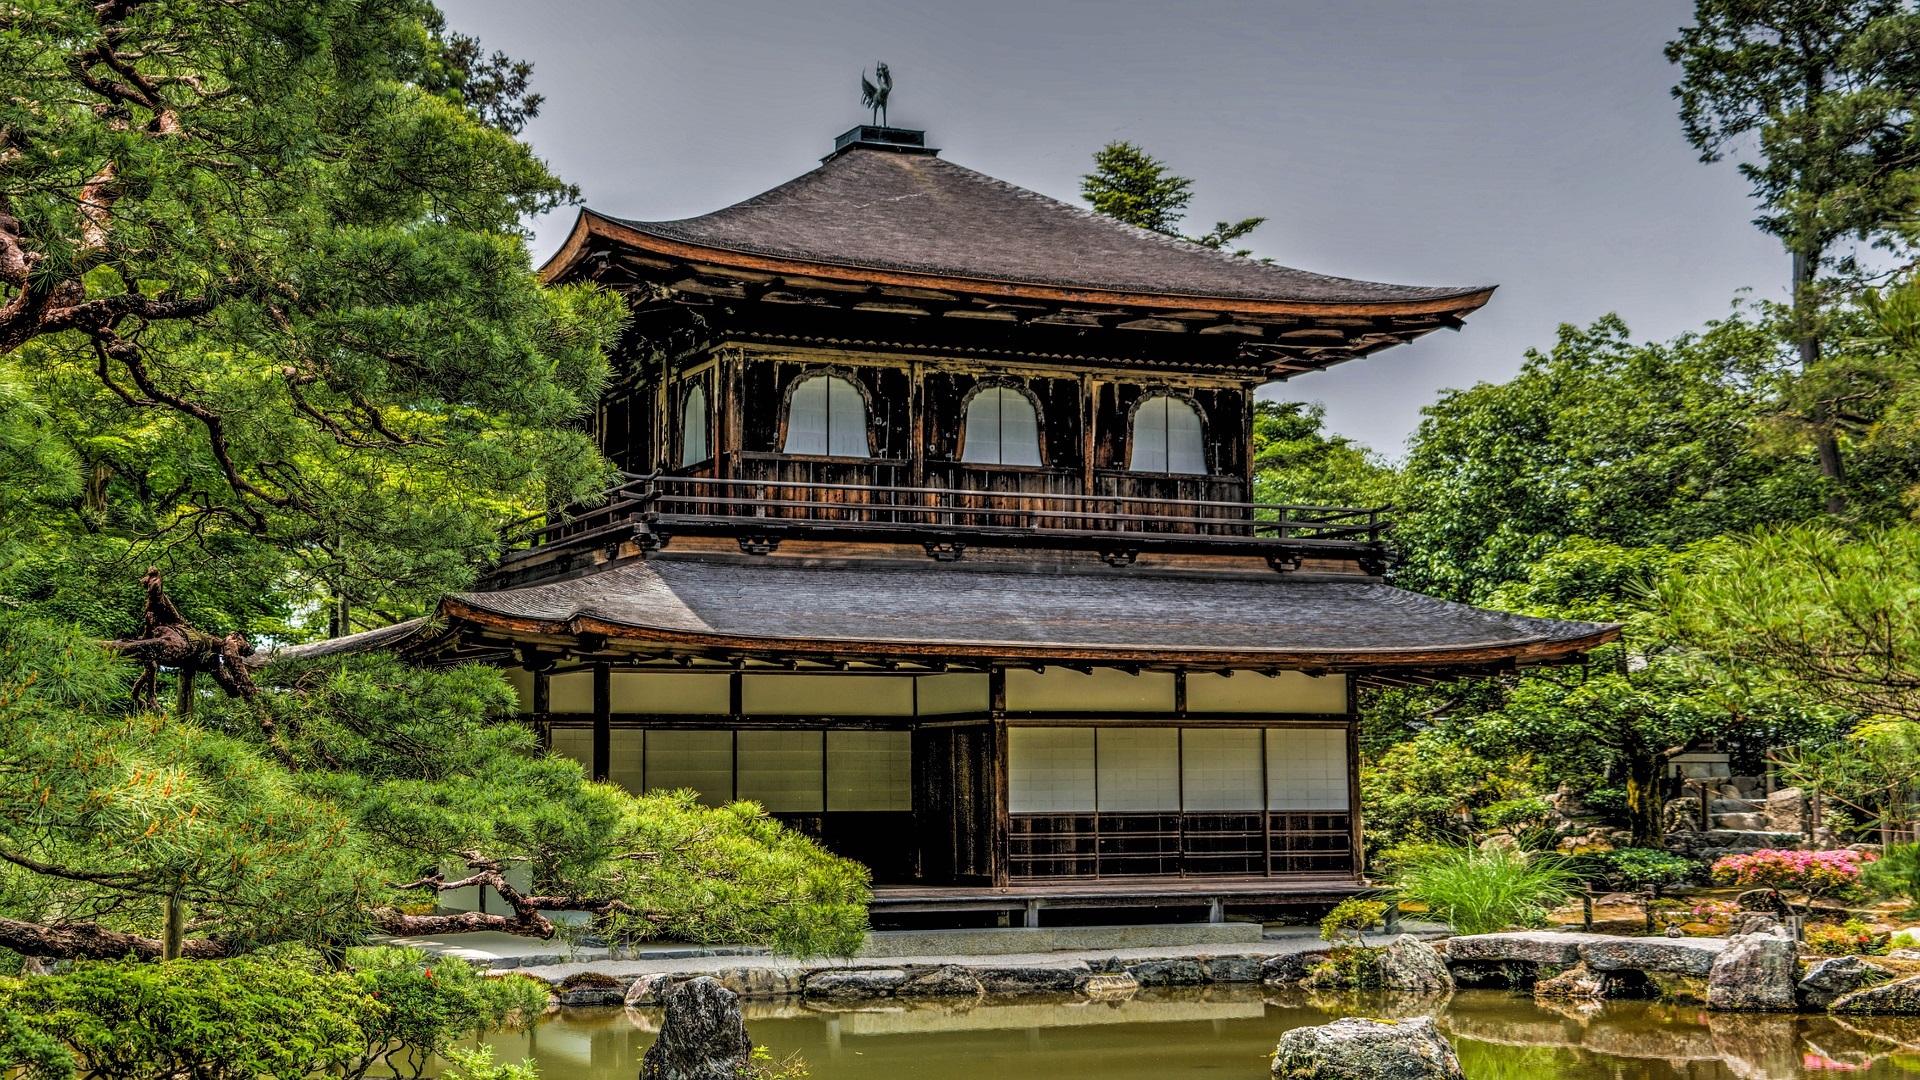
1834, 977
1289, 969
702, 1037
1901, 997
1755, 973
649, 989
1682, 956
1407, 963
1522, 946
1357, 1049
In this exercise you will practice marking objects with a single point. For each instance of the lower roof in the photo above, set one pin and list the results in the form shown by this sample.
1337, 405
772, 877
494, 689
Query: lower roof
957, 610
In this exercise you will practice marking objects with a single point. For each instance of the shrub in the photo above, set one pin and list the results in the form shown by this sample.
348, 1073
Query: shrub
1635, 867
1851, 938
1480, 890
1515, 815
1609, 801
478, 1064
1350, 917
589, 980
431, 1003
243, 1019
1716, 914
1813, 872
1896, 873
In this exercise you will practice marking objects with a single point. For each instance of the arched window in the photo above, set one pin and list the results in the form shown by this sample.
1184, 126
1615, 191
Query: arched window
1001, 428
826, 415
693, 427
1166, 438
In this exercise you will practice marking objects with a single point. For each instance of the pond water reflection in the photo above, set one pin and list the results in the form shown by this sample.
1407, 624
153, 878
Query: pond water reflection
1220, 1032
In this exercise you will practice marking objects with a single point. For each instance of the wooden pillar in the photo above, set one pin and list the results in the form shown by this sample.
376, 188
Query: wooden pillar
542, 713
917, 424
602, 721
1088, 413
1002, 821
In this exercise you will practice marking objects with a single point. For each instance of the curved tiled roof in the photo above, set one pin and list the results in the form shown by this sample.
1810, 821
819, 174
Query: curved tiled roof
919, 214
956, 608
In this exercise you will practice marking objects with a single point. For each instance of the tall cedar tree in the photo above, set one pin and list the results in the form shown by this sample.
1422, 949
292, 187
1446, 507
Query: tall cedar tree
1828, 90
1133, 186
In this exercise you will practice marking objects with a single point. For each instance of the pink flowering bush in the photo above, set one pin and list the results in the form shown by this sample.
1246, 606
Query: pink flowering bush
1814, 872
1716, 915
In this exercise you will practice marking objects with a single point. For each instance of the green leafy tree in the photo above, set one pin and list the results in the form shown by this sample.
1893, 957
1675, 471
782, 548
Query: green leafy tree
1809, 611
1133, 186
263, 265
1634, 705
1825, 91
1296, 461
1601, 437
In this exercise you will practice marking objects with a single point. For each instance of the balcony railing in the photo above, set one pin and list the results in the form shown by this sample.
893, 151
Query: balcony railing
655, 507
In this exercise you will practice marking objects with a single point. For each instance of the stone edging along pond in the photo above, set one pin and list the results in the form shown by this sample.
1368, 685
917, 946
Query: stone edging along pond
1757, 971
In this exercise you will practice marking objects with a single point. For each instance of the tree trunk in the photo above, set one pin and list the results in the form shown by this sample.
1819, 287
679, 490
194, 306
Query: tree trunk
1832, 468
90, 941
183, 696
176, 930
1644, 805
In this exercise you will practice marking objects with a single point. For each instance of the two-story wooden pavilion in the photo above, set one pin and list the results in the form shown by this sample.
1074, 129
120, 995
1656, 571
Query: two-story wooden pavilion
939, 544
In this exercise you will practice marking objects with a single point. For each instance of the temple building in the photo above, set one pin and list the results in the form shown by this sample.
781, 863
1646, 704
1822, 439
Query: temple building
939, 541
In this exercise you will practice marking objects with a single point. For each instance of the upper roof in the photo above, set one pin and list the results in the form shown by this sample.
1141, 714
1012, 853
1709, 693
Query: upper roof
919, 219
866, 607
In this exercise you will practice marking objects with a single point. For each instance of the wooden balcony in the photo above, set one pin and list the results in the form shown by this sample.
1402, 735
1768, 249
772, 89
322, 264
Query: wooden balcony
787, 496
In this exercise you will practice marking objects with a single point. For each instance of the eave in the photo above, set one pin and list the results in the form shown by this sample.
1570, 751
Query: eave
590, 226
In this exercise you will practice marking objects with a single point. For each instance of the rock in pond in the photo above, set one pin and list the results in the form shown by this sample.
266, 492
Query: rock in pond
1287, 969
648, 989
1577, 983
1831, 978
702, 1037
1357, 1049
854, 983
1169, 973
1407, 963
1755, 973
1031, 980
940, 982
1902, 997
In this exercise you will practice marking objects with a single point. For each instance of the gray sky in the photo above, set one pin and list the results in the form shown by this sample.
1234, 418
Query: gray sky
1526, 143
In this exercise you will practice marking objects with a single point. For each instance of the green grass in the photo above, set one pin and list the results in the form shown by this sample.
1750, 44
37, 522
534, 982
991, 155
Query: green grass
1480, 891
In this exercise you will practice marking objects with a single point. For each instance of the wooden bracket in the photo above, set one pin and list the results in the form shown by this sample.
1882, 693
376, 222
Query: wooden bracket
1285, 564
945, 550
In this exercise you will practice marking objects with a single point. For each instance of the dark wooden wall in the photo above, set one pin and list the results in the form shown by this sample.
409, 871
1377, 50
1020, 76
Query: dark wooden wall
916, 417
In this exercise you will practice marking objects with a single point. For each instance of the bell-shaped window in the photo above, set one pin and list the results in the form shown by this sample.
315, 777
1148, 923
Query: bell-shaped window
693, 427
1166, 438
827, 416
1002, 428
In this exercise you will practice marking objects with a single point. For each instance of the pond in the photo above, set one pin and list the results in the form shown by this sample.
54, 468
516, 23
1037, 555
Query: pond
1225, 1033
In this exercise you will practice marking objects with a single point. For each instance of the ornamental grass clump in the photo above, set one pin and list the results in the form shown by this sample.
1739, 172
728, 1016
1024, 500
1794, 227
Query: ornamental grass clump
1482, 890
1816, 873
